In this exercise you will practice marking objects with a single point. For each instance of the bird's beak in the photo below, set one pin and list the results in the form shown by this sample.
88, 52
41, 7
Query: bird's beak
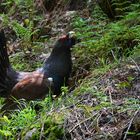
72, 34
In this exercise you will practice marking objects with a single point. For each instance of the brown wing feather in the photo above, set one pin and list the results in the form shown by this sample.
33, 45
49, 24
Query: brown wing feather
34, 86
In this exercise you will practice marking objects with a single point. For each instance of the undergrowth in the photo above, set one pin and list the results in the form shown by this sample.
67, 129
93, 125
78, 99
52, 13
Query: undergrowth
104, 44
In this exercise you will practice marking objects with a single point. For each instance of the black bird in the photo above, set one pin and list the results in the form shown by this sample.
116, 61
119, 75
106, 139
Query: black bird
35, 85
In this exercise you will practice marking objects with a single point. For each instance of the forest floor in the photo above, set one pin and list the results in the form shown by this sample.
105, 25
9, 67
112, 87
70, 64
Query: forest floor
104, 98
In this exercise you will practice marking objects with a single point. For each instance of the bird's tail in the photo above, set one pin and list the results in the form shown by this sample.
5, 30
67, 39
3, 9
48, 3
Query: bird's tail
4, 62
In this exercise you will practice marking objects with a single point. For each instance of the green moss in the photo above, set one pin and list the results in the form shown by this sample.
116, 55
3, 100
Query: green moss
53, 127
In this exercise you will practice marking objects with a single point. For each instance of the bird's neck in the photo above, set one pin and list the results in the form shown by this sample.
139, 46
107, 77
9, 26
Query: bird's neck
64, 49
58, 63
60, 53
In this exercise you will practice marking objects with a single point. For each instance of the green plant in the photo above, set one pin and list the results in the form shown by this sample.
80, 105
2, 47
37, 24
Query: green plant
23, 20
18, 122
24, 33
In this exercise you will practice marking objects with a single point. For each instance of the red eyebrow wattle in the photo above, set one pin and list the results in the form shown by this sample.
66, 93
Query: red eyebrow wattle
63, 37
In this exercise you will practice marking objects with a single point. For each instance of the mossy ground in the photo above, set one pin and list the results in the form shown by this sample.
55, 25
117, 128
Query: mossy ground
105, 100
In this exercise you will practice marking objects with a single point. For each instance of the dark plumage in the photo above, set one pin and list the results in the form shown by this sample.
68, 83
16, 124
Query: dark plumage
35, 85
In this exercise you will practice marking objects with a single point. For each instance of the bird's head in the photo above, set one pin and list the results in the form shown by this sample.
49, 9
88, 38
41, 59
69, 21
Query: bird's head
67, 41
